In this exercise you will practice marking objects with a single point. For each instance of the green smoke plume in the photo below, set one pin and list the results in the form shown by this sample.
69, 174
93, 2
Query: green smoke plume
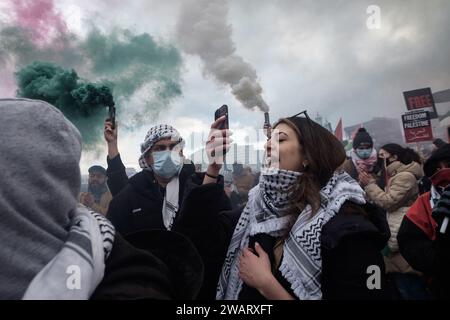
131, 59
145, 74
136, 63
82, 102
91, 96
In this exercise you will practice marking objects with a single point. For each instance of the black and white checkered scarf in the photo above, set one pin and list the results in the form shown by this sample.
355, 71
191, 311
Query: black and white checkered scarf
156, 133
78, 268
267, 212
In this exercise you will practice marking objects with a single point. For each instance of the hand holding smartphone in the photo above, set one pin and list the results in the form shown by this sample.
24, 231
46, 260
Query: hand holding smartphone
222, 111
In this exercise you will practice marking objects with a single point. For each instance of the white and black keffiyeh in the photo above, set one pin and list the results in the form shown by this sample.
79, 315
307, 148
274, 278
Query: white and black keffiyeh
89, 243
155, 134
170, 202
267, 212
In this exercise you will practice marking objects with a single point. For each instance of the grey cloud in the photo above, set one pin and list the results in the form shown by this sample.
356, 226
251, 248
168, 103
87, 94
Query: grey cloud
356, 73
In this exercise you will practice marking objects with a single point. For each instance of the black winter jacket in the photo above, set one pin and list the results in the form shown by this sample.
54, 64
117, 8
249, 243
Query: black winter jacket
117, 176
351, 242
139, 201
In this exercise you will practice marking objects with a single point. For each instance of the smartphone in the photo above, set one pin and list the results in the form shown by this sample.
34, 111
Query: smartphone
112, 116
222, 111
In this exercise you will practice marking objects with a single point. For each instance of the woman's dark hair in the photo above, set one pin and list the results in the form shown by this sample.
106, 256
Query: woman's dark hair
324, 153
404, 155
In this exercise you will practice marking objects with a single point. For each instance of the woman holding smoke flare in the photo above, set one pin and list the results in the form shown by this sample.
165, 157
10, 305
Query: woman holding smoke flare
306, 232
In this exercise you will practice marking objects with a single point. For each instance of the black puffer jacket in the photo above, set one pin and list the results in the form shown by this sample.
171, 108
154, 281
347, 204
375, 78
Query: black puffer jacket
351, 242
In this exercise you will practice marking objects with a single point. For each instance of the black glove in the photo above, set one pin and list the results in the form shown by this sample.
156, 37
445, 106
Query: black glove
442, 208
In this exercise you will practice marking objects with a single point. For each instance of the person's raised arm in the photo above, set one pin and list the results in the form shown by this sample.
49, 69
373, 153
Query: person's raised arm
117, 177
110, 135
217, 146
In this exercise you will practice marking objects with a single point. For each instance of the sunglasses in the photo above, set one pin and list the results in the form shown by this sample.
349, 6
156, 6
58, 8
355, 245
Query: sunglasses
304, 112
305, 115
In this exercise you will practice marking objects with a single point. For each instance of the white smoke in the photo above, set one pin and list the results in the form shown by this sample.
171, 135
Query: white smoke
202, 30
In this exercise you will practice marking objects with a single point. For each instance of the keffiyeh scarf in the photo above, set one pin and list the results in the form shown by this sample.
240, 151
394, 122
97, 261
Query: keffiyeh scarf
75, 272
155, 134
365, 165
170, 202
267, 211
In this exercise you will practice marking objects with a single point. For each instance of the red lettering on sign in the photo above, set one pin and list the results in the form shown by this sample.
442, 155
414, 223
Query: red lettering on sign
418, 102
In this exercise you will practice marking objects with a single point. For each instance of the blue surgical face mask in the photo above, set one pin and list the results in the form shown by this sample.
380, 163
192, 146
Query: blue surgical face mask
364, 153
167, 164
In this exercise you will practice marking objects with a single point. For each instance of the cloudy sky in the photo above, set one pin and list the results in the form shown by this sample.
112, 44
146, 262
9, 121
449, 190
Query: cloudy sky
315, 55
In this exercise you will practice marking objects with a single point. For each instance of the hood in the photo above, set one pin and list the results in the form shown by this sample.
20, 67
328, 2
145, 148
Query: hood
397, 167
39, 169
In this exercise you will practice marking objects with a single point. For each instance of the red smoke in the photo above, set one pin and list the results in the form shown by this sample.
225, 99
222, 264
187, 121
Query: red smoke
40, 18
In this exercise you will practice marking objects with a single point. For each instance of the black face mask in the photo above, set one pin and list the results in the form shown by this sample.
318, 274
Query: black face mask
389, 162
379, 166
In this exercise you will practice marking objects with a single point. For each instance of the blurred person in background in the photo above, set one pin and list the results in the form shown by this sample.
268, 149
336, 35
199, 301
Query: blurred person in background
403, 170
98, 196
231, 192
363, 156
420, 239
244, 180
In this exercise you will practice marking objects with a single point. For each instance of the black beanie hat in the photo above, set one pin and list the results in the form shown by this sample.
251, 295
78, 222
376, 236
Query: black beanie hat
98, 169
438, 155
362, 136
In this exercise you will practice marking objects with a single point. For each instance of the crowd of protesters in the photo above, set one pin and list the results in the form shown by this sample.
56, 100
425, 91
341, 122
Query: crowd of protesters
315, 223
